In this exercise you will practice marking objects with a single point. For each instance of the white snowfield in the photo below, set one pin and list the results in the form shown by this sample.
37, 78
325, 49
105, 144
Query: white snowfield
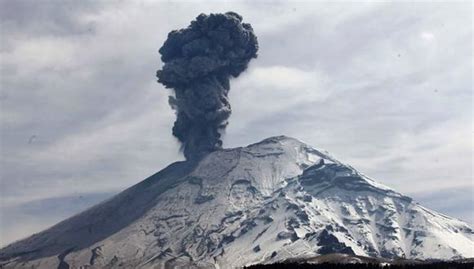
275, 200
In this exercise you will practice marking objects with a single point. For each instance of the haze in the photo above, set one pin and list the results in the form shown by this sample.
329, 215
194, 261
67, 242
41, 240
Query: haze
384, 87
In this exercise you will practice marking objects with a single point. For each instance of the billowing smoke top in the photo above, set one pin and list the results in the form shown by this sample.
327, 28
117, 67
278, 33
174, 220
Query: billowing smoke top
198, 63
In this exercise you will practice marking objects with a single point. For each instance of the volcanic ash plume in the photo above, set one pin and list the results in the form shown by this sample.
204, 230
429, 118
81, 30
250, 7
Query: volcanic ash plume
198, 63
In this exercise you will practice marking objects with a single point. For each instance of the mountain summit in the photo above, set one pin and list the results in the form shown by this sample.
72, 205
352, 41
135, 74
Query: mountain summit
271, 201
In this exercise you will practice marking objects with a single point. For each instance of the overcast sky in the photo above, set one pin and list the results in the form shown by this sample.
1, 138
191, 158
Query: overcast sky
384, 87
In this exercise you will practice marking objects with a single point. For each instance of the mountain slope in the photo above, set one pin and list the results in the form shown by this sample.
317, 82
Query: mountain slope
267, 202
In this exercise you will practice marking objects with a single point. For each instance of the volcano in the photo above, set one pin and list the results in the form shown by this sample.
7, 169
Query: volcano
272, 201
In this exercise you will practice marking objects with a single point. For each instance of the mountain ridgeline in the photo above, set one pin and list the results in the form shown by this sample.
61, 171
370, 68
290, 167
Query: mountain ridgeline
269, 202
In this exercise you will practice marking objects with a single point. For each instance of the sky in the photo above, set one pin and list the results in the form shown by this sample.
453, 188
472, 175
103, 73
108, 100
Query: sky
385, 87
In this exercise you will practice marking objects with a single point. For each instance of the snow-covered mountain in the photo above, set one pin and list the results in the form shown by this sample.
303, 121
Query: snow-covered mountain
275, 200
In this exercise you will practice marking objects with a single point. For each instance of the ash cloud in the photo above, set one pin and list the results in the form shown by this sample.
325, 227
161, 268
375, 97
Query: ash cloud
198, 63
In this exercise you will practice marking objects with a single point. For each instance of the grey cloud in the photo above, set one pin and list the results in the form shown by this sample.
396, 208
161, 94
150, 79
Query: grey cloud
46, 17
40, 214
456, 202
377, 101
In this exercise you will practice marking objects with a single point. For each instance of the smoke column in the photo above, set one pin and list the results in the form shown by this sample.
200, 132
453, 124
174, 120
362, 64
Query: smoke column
198, 62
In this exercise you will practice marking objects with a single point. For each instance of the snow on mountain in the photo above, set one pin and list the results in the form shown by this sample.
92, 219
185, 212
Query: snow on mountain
271, 201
